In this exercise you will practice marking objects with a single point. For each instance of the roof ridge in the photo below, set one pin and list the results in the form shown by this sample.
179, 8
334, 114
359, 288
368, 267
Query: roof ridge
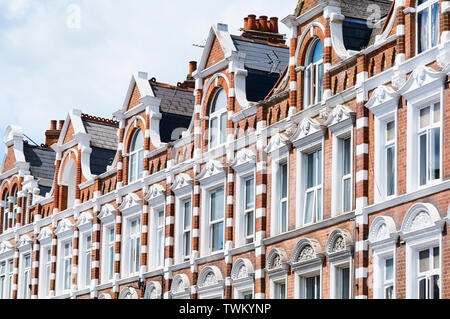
99, 120
169, 86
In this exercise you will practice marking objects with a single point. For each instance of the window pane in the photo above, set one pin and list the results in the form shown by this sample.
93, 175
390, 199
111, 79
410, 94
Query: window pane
423, 30
214, 132
187, 215
284, 182
435, 24
389, 292
389, 271
436, 260
132, 170
111, 262
309, 207
318, 163
345, 276
249, 223
311, 172
217, 237
217, 205
424, 117
223, 128
435, 286
390, 173
283, 217
140, 164
424, 260
308, 86
347, 195
160, 246
423, 158
312, 288
422, 289
435, 153
138, 141
437, 113
319, 205
187, 244
390, 131
219, 102
346, 157
320, 82
249, 193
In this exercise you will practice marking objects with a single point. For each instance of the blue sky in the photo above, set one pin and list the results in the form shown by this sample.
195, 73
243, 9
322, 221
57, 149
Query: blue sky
65, 54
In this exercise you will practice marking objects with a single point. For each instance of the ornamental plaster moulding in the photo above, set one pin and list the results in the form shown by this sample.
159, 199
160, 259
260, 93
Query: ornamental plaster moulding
5, 247
45, 234
383, 99
182, 181
84, 220
421, 81
245, 158
130, 201
279, 142
180, 285
243, 270
210, 277
339, 244
307, 128
339, 116
65, 226
277, 262
382, 231
211, 170
24, 242
156, 193
107, 212
307, 253
421, 219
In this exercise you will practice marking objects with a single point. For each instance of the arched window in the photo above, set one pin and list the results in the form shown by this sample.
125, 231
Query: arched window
218, 119
5, 211
14, 215
427, 26
314, 73
136, 158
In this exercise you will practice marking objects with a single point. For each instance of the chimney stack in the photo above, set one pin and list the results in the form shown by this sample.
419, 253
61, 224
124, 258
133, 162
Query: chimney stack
262, 29
251, 22
273, 24
245, 23
263, 24
61, 124
192, 67
52, 135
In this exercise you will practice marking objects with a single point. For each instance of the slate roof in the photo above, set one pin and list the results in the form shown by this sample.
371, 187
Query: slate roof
103, 135
42, 165
259, 56
360, 9
174, 100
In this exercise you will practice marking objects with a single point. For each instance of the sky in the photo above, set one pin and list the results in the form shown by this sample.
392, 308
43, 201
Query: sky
80, 54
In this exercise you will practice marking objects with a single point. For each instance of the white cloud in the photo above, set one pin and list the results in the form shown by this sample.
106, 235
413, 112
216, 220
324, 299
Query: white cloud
49, 68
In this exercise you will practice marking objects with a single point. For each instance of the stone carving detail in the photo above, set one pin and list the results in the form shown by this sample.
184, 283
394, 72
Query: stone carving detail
422, 220
276, 262
153, 293
179, 287
307, 253
382, 233
339, 244
210, 279
242, 273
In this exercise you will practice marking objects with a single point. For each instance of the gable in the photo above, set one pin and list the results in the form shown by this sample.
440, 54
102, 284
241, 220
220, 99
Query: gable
135, 98
215, 54
69, 133
10, 159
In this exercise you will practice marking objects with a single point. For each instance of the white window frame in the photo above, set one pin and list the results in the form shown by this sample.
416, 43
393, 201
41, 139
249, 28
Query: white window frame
23, 270
337, 175
180, 232
211, 223
243, 284
313, 88
128, 270
241, 178
61, 262
339, 260
44, 264
276, 280
420, 8
6, 258
107, 217
84, 251
138, 153
276, 227
218, 116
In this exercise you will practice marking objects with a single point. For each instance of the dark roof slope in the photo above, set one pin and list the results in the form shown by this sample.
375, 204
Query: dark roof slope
362, 9
174, 100
42, 165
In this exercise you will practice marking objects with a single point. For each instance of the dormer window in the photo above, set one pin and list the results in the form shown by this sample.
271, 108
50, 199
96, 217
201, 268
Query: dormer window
218, 119
427, 24
314, 73
136, 157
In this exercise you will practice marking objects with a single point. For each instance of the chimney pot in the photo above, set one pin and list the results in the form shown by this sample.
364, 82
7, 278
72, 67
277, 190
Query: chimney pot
274, 25
53, 125
251, 22
192, 67
61, 124
263, 24
245, 24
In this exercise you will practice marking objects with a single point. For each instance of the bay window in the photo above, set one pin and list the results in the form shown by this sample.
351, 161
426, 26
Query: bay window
427, 24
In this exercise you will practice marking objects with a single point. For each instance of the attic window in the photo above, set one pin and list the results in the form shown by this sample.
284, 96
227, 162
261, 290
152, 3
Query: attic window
427, 24
136, 158
218, 119
314, 73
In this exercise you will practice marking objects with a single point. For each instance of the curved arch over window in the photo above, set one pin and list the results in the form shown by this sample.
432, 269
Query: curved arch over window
218, 119
136, 156
427, 25
314, 73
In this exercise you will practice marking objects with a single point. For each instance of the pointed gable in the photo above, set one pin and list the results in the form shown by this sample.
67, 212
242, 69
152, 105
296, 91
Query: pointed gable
135, 96
69, 133
9, 160
215, 54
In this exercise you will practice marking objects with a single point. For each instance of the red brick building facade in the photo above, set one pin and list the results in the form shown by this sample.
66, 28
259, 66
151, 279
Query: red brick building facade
315, 166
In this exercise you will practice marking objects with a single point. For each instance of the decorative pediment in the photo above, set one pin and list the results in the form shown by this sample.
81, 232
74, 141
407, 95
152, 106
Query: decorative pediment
339, 244
383, 99
130, 201
340, 115
421, 80
307, 128
65, 226
84, 220
156, 194
24, 242
128, 293
278, 143
421, 218
210, 277
277, 261
245, 159
181, 182
307, 252
5, 247
382, 230
153, 290
213, 169
243, 270
180, 286
45, 233
108, 212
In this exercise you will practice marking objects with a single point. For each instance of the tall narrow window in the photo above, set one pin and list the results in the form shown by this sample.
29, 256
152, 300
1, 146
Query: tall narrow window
26, 276
6, 211
390, 158
388, 285
187, 224
136, 157
427, 24
218, 119
67, 264
343, 283
2, 280
314, 74
313, 195
14, 213
217, 216
160, 237
87, 260
134, 246
429, 135
283, 215
47, 271
110, 243
428, 274
279, 290
346, 179
311, 286
249, 209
